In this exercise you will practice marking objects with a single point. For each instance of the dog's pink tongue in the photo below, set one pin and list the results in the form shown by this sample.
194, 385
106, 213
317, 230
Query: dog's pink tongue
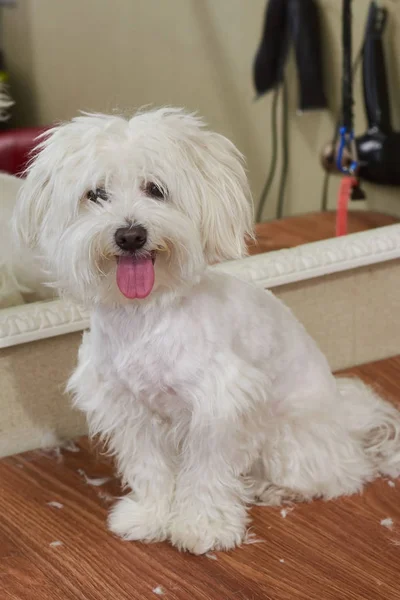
135, 276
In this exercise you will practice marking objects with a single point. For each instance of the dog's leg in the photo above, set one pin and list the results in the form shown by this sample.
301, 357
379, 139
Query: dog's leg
141, 443
146, 463
315, 456
274, 495
210, 498
329, 453
264, 492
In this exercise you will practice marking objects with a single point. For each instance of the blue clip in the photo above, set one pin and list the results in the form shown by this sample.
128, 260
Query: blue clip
347, 141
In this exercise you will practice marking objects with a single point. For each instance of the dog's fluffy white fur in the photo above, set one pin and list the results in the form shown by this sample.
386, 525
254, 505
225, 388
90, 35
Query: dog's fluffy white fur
209, 392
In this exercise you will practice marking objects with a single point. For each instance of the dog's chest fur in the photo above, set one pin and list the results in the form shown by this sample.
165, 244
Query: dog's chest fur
199, 353
157, 354
202, 346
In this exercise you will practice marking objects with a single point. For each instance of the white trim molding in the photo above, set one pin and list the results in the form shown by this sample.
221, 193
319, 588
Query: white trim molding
40, 320
317, 259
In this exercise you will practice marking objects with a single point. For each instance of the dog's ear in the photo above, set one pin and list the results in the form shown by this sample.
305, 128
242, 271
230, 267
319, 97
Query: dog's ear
33, 199
227, 208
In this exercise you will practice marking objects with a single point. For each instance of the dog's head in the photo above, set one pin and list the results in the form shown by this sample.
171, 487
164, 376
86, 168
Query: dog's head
130, 208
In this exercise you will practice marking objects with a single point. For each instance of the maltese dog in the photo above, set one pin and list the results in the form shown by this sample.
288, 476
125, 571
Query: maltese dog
208, 391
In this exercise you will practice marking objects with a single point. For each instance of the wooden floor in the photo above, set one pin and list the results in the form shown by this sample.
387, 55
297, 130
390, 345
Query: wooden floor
336, 550
302, 229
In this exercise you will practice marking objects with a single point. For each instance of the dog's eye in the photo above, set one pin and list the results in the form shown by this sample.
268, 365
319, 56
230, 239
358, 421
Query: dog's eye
154, 190
97, 194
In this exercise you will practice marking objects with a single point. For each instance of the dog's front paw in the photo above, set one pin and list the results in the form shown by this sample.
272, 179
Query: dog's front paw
134, 520
199, 535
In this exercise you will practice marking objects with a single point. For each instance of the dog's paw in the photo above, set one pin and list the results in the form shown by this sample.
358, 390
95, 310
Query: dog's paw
134, 520
201, 535
274, 495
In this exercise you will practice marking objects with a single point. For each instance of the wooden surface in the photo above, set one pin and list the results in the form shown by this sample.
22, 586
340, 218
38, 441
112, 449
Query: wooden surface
334, 550
293, 231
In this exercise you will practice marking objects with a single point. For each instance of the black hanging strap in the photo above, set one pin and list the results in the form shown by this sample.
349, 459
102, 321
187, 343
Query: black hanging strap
347, 81
346, 131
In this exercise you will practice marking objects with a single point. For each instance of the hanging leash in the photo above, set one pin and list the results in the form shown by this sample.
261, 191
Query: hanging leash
345, 191
346, 131
347, 161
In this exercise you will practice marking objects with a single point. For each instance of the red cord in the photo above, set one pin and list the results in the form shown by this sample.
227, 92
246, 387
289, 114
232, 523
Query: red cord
345, 189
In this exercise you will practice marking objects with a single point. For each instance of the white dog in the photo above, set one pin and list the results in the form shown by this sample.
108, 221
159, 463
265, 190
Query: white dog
209, 392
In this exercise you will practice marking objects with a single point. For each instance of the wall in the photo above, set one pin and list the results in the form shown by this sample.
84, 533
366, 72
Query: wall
100, 55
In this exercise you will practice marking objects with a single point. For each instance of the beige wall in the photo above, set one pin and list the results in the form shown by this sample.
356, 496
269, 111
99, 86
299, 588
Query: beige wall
104, 54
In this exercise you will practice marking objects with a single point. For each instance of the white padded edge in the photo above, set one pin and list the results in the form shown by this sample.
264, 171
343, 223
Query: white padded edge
39, 320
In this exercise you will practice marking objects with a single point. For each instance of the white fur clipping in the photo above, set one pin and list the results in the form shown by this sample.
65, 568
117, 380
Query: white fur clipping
95, 481
54, 504
388, 523
159, 590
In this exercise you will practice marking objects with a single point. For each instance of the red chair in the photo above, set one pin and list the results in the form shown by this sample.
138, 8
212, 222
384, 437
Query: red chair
15, 148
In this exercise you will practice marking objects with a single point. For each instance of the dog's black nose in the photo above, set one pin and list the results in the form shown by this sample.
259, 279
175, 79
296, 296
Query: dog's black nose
131, 238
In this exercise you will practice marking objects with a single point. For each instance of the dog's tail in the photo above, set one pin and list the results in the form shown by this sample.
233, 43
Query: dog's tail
375, 421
